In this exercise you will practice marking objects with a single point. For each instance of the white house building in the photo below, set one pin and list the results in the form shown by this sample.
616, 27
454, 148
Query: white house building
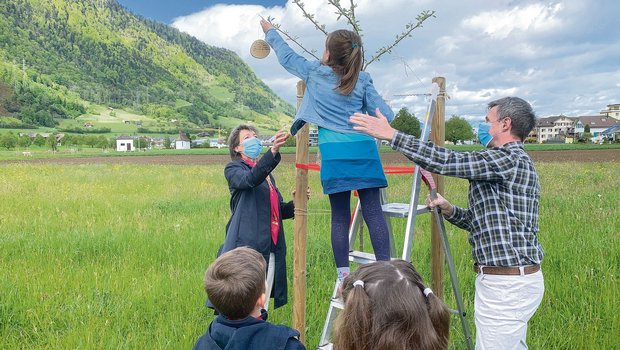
555, 128
612, 111
598, 124
124, 144
216, 143
313, 137
183, 142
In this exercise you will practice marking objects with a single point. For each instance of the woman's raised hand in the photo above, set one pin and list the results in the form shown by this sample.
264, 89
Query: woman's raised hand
279, 140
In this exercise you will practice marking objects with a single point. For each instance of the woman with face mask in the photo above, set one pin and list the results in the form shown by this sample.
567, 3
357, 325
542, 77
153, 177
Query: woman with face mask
256, 204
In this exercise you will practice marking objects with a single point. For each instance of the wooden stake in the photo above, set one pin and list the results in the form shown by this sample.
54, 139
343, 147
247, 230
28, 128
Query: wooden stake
301, 226
438, 135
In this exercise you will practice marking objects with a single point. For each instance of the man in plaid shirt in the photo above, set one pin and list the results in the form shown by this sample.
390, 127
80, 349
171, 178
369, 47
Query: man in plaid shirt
502, 215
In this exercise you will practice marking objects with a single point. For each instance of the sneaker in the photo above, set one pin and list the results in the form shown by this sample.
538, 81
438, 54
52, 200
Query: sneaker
338, 290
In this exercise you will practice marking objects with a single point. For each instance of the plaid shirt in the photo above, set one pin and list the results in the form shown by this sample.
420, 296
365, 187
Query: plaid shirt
503, 199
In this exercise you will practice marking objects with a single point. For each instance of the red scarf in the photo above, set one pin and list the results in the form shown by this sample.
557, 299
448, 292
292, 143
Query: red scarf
275, 207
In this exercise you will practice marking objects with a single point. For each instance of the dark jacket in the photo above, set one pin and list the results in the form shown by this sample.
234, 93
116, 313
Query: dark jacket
250, 223
248, 334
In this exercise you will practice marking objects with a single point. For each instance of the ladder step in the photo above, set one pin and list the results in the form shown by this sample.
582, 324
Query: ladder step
401, 210
457, 312
361, 257
337, 303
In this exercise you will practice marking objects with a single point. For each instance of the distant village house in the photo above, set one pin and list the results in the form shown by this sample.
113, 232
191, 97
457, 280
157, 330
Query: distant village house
612, 111
563, 129
216, 143
183, 142
124, 144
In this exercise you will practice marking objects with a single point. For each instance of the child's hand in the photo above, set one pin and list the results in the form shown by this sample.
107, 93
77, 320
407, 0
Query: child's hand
265, 25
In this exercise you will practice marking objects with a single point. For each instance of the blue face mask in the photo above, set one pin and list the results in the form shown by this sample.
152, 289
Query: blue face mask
483, 134
252, 147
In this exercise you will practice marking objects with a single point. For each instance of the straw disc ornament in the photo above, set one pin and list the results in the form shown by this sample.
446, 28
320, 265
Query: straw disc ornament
259, 49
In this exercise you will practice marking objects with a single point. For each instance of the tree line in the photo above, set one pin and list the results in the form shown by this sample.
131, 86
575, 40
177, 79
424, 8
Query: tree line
457, 129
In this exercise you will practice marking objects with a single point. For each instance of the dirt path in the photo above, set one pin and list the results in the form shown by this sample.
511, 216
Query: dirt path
587, 156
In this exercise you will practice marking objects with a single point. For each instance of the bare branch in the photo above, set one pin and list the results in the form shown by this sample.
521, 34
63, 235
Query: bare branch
410, 27
353, 6
291, 38
310, 16
349, 14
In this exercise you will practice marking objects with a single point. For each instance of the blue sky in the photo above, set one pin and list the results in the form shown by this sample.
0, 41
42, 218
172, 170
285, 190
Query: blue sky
561, 56
166, 10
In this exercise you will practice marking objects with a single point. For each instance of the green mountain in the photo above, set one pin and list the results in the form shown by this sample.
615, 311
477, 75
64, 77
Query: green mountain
58, 57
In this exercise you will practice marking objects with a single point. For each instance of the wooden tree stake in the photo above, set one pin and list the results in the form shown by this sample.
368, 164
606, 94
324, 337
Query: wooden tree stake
301, 226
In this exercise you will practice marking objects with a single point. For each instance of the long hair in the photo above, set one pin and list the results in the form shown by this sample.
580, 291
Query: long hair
390, 311
345, 58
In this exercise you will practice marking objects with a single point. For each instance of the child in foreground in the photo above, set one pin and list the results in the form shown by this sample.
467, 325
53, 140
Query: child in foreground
235, 285
387, 307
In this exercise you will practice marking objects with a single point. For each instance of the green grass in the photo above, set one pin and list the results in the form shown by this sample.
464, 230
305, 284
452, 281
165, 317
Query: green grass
113, 256
85, 151
546, 147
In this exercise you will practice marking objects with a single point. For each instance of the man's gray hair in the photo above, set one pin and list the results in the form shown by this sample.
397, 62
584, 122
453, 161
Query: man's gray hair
520, 113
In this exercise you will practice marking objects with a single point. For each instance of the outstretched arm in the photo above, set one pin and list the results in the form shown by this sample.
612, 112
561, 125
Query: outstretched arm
293, 62
242, 177
486, 165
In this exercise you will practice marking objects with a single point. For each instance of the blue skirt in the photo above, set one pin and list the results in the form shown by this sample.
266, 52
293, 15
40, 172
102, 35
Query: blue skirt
349, 162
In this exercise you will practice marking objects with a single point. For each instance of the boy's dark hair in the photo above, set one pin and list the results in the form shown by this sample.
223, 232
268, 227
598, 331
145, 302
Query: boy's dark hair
345, 57
233, 139
389, 311
235, 281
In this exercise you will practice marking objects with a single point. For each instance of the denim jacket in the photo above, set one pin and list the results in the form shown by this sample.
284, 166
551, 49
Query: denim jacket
323, 104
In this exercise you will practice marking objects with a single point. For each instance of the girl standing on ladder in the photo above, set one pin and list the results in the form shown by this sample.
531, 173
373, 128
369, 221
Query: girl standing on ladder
335, 89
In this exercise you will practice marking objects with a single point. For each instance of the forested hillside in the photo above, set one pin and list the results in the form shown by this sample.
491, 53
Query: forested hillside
58, 55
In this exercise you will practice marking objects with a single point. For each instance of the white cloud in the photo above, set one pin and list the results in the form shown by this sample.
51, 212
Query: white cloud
232, 27
562, 57
500, 24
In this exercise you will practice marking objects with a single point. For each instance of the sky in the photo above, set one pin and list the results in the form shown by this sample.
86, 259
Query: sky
561, 56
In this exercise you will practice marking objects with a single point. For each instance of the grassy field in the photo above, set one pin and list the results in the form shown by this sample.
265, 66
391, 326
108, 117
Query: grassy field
113, 256
86, 151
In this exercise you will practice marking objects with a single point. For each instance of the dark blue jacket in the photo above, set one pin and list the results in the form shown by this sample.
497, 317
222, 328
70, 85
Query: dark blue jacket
250, 223
248, 334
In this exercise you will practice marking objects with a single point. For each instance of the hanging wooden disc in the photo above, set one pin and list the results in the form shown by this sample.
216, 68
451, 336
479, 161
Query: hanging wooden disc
259, 49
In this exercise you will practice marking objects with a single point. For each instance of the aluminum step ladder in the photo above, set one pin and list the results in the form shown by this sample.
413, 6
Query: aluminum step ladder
399, 210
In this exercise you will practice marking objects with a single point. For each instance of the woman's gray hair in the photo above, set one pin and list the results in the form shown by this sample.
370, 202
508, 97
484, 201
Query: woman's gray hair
520, 113
233, 139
